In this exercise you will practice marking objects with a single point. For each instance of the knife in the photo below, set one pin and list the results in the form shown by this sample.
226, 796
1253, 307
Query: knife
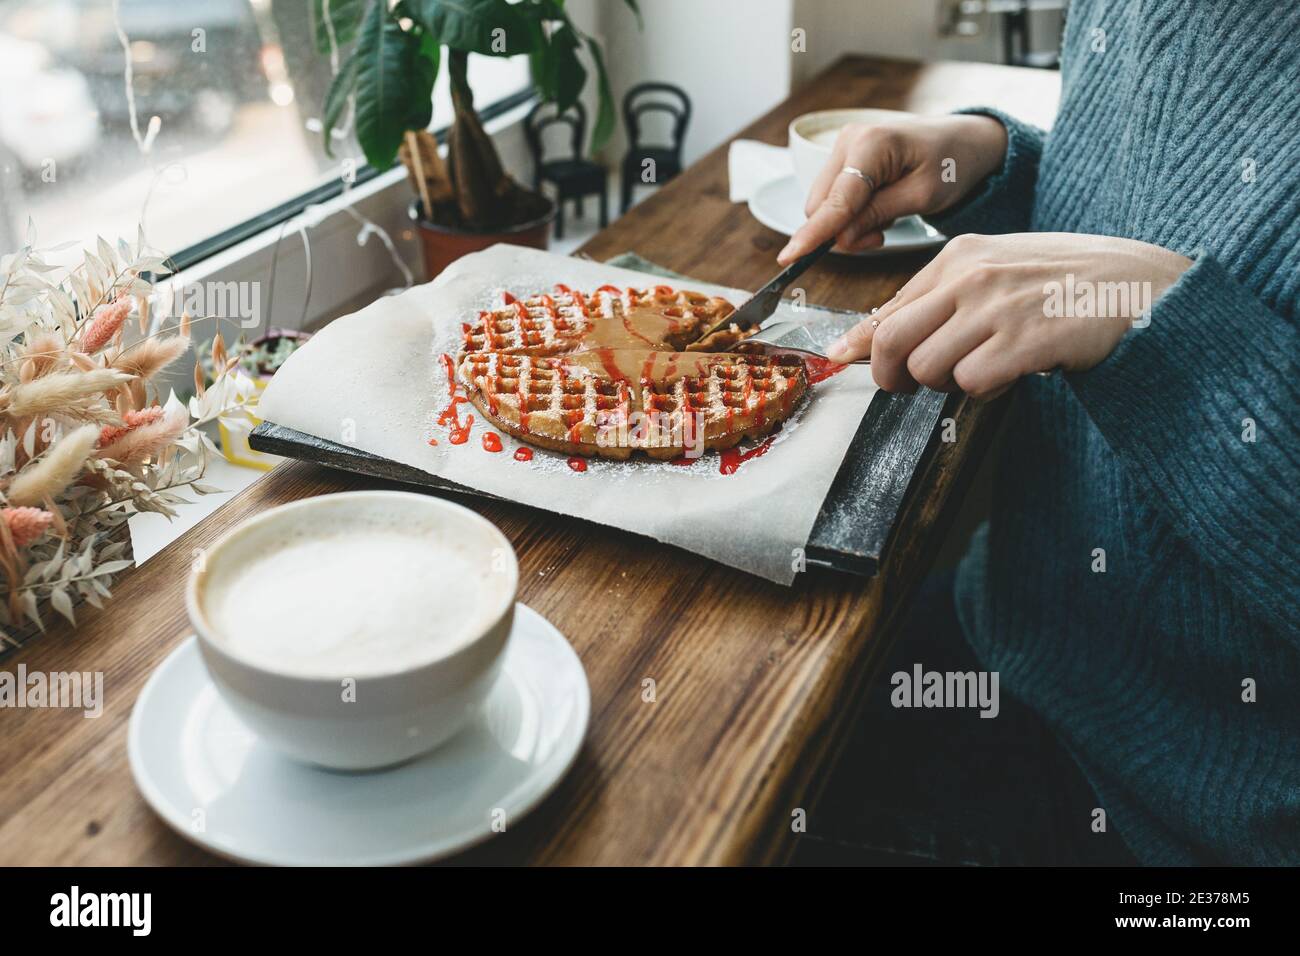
764, 302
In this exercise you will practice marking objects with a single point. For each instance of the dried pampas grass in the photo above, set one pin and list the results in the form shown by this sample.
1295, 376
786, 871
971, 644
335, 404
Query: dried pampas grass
64, 501
60, 391
146, 359
143, 441
106, 323
43, 354
26, 524
51, 474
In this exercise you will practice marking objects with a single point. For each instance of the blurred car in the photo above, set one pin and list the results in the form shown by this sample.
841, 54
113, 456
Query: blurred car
46, 112
194, 61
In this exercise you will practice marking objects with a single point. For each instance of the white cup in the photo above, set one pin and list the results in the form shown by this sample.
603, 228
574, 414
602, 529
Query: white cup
813, 134
380, 718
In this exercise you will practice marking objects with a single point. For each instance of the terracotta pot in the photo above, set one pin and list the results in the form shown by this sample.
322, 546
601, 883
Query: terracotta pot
443, 245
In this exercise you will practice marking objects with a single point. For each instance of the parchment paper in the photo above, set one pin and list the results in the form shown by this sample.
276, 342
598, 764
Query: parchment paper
373, 381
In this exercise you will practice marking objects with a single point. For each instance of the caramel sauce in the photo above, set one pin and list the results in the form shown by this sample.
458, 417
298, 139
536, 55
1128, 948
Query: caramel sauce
635, 341
610, 364
639, 365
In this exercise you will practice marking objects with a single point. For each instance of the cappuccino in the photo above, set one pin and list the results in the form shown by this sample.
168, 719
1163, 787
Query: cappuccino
364, 595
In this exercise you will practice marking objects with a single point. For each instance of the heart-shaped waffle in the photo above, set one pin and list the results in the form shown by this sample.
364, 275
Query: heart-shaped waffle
622, 370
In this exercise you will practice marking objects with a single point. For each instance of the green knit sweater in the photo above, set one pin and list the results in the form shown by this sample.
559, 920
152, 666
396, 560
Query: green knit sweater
1173, 675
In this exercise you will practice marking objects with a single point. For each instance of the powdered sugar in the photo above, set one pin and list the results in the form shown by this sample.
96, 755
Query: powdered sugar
374, 381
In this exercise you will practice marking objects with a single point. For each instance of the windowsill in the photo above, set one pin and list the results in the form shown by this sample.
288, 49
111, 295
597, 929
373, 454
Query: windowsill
345, 278
344, 274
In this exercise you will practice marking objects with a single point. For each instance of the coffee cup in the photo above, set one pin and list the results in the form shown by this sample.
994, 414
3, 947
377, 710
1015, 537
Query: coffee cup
813, 135
357, 630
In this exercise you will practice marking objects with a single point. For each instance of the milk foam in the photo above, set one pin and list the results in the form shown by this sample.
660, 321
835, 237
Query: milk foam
363, 598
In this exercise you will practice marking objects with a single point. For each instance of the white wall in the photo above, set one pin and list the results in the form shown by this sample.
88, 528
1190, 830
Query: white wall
905, 29
731, 56
734, 57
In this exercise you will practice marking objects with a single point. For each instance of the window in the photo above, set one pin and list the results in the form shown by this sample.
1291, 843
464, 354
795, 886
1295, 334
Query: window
235, 85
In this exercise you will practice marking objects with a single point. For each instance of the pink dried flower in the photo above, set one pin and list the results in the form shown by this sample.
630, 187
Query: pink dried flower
146, 416
104, 325
26, 524
148, 439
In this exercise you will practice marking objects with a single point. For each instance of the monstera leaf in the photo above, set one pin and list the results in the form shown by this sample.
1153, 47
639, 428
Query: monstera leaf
396, 53
557, 72
342, 17
603, 128
394, 85
490, 27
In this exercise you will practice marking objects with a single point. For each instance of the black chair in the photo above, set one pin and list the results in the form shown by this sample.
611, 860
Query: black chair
574, 178
667, 159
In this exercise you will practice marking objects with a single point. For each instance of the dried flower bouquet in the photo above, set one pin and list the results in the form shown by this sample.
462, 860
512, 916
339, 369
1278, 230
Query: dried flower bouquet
85, 439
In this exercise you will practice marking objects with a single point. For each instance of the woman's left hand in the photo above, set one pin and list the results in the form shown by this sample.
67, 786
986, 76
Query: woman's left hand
989, 309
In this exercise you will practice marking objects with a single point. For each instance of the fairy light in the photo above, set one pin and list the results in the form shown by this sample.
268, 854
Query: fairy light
143, 141
176, 173
369, 229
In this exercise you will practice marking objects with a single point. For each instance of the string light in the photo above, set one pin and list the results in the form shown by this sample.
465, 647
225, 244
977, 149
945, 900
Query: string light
176, 173
143, 142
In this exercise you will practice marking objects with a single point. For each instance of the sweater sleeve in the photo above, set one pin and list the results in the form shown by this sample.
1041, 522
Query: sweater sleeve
1005, 202
1201, 408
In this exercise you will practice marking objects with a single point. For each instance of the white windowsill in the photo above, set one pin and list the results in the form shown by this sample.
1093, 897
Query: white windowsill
345, 278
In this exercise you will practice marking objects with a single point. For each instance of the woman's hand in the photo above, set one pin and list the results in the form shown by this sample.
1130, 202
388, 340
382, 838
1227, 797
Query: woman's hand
920, 165
989, 309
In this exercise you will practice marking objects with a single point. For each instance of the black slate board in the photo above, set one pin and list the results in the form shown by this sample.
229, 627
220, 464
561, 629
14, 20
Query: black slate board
856, 518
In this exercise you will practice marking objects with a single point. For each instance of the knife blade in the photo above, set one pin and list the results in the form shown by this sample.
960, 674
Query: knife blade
763, 303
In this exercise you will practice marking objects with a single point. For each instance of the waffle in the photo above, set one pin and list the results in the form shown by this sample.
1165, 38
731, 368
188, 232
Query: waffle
621, 371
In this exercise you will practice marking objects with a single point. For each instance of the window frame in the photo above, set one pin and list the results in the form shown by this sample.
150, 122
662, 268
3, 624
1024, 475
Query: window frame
228, 238
345, 277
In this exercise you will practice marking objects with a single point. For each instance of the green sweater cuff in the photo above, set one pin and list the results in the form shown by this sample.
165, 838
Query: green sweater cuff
1005, 201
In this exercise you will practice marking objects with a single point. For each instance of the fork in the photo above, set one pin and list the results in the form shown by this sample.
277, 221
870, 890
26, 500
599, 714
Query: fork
787, 336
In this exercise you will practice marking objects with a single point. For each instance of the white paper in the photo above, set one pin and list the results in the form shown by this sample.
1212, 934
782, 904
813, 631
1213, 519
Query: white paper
751, 163
374, 381
151, 531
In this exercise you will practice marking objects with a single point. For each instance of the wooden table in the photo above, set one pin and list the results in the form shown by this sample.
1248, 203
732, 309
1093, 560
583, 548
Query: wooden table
754, 681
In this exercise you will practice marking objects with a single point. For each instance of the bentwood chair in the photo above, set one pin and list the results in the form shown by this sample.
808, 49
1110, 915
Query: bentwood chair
664, 160
573, 177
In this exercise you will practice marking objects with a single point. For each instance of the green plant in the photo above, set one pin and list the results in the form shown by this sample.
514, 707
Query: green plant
263, 356
386, 82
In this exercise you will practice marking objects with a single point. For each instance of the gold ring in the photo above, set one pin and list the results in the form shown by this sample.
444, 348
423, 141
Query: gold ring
854, 171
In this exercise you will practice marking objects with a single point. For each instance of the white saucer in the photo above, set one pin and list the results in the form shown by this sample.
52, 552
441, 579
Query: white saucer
778, 204
194, 761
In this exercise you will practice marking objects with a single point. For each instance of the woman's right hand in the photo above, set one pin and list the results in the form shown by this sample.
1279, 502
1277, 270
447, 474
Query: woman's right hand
920, 166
